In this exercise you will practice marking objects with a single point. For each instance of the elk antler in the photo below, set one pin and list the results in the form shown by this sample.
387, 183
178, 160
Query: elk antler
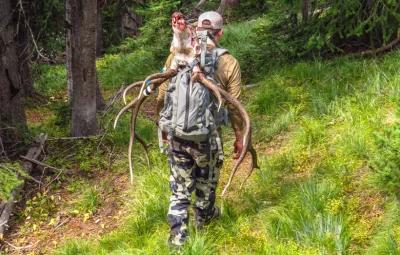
254, 164
246, 134
153, 82
132, 86
145, 147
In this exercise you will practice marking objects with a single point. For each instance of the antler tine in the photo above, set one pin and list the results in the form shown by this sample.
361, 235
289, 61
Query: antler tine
131, 104
247, 128
131, 86
246, 135
254, 164
132, 138
211, 86
157, 80
145, 147
156, 76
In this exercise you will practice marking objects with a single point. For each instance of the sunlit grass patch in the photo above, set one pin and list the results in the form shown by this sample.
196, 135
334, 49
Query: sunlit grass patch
75, 247
303, 218
311, 132
386, 240
87, 202
50, 79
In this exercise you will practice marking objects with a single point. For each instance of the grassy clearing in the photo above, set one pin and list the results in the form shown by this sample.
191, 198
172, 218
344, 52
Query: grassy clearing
329, 187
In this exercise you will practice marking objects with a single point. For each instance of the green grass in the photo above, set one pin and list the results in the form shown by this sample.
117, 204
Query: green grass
329, 187
309, 196
50, 79
11, 175
88, 200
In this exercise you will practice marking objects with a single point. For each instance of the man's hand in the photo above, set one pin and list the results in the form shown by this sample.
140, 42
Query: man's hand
238, 146
164, 136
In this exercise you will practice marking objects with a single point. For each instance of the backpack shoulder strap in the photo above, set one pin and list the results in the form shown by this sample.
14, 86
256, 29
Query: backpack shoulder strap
177, 88
220, 51
217, 53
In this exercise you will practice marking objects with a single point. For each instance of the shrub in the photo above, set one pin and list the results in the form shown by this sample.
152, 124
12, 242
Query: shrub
9, 179
386, 161
329, 27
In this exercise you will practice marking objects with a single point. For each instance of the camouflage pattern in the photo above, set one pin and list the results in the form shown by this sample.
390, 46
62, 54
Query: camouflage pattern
194, 167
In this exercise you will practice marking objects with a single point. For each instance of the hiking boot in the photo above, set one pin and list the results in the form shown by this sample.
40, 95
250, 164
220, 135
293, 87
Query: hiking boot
175, 248
203, 221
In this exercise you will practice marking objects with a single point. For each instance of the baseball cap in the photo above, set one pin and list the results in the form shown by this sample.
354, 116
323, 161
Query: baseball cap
210, 19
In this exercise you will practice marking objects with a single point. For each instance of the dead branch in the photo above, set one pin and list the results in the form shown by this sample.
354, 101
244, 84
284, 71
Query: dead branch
7, 211
40, 163
249, 86
19, 248
47, 187
34, 152
3, 151
114, 98
377, 51
39, 54
74, 138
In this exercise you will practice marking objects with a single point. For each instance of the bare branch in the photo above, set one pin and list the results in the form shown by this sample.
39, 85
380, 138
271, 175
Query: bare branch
3, 151
19, 248
74, 137
384, 48
41, 163
39, 54
200, 4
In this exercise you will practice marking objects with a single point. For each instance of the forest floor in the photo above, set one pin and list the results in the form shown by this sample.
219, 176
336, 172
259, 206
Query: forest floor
327, 136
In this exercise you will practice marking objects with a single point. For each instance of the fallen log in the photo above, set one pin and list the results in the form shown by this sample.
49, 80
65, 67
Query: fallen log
373, 52
6, 208
6, 211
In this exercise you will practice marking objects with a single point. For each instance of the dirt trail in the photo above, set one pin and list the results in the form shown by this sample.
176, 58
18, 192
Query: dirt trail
23, 239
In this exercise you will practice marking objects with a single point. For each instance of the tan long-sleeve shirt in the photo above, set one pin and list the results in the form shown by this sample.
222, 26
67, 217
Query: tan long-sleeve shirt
227, 74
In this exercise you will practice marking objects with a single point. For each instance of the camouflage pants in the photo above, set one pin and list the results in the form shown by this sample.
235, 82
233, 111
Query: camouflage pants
194, 167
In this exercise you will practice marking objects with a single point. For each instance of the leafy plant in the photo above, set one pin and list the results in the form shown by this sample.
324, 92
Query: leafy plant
386, 161
39, 209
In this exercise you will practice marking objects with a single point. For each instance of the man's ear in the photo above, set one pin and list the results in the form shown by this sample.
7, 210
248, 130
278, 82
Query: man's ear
220, 32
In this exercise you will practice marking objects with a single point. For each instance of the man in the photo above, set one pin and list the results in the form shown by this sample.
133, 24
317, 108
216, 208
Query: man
195, 166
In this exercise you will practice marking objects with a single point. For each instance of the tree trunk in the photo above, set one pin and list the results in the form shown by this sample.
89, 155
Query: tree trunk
82, 19
68, 51
99, 30
226, 3
12, 115
305, 9
24, 49
100, 104
129, 21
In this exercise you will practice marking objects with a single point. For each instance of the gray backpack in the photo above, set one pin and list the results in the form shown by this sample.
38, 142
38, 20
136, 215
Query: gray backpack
190, 110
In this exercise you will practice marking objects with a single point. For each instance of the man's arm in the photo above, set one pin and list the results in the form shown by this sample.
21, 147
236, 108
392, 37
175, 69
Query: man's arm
229, 76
